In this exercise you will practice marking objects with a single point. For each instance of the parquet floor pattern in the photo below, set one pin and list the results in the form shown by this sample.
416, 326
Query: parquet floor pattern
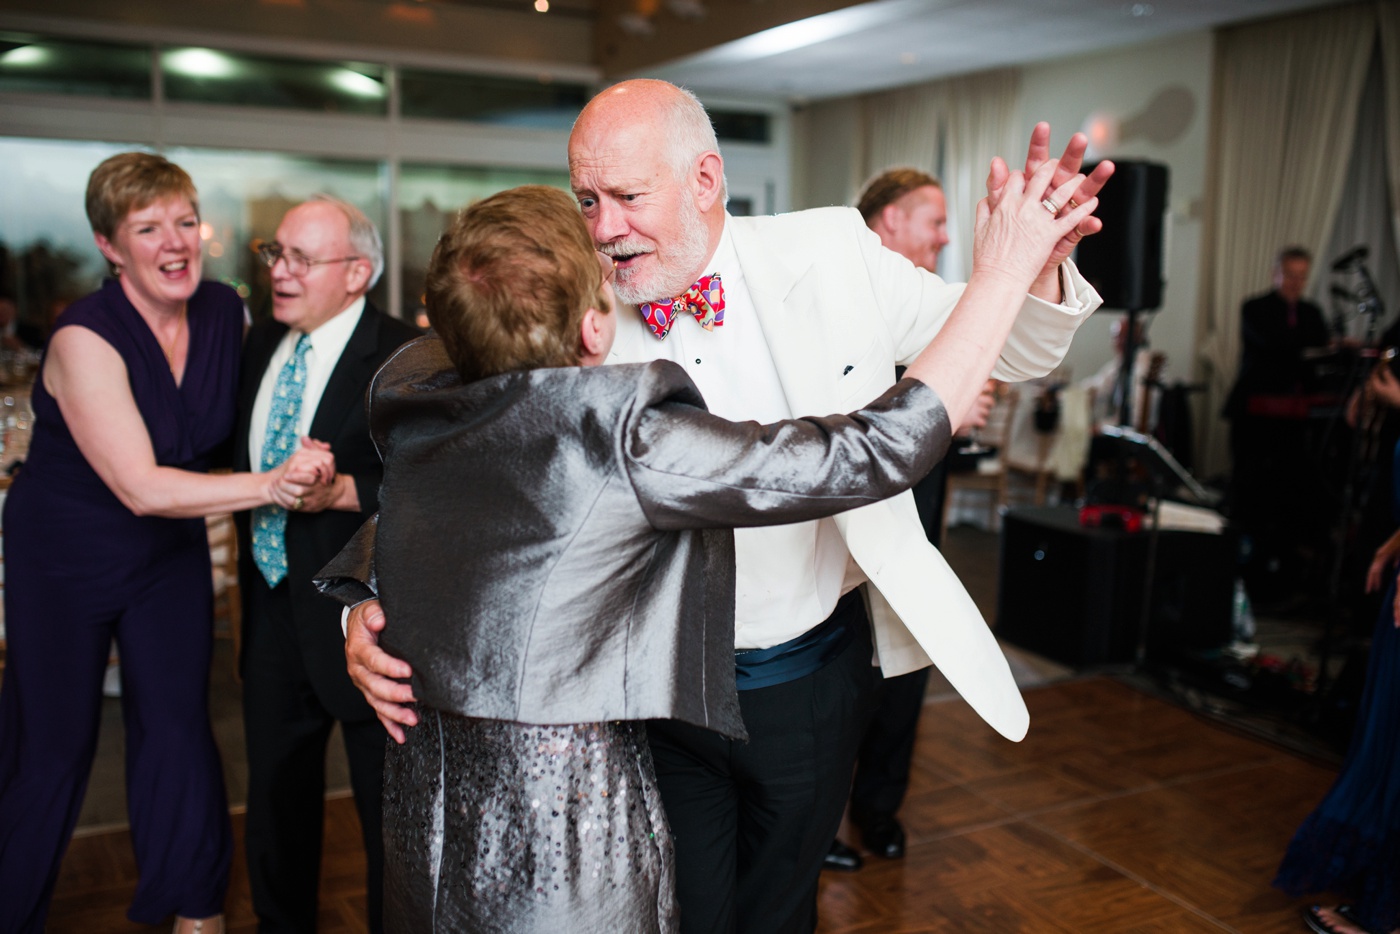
1118, 813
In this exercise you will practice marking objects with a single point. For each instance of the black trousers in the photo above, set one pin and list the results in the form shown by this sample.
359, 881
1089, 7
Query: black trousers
752, 821
287, 730
887, 751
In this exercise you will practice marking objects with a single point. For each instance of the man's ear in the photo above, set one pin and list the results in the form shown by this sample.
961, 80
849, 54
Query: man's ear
357, 275
708, 180
892, 217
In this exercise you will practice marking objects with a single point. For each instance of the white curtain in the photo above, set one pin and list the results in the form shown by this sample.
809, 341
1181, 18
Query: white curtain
1283, 121
982, 119
901, 129
951, 129
1388, 18
1365, 217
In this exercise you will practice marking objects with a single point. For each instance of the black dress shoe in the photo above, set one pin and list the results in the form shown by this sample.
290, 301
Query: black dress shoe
883, 836
841, 858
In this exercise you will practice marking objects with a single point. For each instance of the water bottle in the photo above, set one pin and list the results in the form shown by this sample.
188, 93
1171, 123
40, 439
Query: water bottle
1242, 615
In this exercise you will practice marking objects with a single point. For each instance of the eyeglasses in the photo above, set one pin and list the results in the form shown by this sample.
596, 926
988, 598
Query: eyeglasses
608, 264
298, 263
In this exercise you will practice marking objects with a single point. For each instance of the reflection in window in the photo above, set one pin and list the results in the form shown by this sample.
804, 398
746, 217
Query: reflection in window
429, 197
208, 76
540, 104
243, 195
54, 66
47, 257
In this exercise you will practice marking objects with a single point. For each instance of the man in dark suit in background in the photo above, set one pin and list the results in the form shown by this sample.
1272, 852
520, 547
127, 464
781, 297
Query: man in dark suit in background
304, 374
1275, 328
906, 208
1270, 483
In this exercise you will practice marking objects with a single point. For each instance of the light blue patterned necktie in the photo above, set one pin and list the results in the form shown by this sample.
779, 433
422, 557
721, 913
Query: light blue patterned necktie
270, 522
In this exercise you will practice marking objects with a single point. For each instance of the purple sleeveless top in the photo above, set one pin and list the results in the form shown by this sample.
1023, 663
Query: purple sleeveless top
59, 510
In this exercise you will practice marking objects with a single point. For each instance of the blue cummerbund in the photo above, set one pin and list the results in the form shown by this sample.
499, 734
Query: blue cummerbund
809, 652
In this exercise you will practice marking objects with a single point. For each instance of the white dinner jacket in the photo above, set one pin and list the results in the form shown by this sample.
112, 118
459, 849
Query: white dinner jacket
839, 311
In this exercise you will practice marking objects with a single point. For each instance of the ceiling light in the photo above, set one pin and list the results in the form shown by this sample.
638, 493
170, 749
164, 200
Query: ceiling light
26, 55
541, 6
809, 32
200, 63
356, 84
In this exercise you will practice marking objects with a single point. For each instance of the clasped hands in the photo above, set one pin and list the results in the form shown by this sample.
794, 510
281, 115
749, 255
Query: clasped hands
1047, 283
305, 482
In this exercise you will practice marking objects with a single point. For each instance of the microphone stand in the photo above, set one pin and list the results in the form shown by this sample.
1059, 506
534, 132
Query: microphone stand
1124, 387
1370, 305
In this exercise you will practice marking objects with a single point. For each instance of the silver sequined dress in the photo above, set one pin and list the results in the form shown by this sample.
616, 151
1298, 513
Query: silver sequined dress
513, 828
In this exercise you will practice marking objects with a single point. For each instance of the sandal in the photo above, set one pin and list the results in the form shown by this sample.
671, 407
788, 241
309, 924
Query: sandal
1312, 917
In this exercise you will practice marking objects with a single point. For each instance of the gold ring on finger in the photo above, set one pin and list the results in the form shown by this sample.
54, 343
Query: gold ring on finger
1073, 204
297, 504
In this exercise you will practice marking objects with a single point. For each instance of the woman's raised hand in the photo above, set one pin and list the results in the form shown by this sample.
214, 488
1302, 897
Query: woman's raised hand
1014, 238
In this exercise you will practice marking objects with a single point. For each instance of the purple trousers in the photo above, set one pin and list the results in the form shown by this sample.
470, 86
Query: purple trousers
58, 632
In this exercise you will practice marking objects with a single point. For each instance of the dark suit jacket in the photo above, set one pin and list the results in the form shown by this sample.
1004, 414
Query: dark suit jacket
555, 545
1271, 352
313, 538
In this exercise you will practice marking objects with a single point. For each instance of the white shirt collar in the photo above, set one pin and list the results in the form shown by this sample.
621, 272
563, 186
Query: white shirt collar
333, 335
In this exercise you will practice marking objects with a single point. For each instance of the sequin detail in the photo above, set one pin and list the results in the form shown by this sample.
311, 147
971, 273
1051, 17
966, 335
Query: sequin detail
516, 828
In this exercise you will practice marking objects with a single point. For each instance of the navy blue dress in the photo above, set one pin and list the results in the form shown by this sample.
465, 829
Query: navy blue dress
1350, 844
82, 569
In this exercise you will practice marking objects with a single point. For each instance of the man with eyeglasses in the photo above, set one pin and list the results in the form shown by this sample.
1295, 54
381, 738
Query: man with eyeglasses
304, 375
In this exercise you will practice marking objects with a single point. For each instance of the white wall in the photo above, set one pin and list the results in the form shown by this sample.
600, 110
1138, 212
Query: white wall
1123, 84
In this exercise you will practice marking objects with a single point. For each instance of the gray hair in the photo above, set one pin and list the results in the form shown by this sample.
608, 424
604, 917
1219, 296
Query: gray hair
364, 236
689, 133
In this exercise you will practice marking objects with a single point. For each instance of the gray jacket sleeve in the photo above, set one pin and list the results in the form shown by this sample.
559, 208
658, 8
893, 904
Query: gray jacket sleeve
350, 576
692, 469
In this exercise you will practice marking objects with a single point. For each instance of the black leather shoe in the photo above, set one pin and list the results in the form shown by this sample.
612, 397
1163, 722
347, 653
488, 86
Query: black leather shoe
883, 836
841, 858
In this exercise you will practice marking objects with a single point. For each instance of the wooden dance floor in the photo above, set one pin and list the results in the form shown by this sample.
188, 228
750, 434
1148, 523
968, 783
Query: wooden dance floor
1119, 813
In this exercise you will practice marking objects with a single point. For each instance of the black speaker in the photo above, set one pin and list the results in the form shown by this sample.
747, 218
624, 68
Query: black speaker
1074, 594
1124, 260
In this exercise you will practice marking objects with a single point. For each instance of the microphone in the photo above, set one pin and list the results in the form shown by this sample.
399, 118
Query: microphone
1351, 257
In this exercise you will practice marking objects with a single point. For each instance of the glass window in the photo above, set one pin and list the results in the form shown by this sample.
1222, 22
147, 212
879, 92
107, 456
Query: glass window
540, 104
429, 197
29, 64
243, 195
47, 256
209, 76
742, 126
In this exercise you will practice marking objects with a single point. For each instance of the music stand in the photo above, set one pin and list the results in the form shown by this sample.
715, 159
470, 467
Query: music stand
1164, 472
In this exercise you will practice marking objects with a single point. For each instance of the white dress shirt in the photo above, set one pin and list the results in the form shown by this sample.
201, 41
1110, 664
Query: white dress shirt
327, 344
788, 577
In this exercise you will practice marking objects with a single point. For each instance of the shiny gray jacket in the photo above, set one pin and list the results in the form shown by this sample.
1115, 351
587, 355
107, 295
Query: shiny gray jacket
554, 545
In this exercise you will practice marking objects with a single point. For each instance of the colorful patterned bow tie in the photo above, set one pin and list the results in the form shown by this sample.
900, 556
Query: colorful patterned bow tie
704, 299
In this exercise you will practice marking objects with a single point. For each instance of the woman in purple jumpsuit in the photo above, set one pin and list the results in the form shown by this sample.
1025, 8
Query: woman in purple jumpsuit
104, 540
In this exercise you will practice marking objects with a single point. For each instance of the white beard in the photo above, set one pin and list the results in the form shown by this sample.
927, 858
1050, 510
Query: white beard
670, 277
